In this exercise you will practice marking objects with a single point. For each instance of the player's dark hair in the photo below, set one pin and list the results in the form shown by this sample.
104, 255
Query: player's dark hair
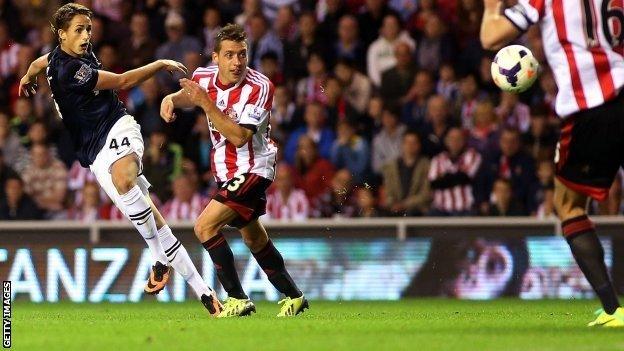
232, 32
64, 15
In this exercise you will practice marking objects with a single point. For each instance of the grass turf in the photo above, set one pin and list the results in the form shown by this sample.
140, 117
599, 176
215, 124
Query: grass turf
427, 324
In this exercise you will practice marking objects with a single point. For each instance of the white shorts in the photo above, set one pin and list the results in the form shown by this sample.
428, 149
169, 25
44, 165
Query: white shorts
122, 140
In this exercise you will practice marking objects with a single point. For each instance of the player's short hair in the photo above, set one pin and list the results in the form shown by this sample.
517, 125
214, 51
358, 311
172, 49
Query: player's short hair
232, 32
65, 14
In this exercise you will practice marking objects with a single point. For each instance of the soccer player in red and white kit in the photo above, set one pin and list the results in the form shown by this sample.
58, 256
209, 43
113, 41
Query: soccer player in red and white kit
237, 101
584, 45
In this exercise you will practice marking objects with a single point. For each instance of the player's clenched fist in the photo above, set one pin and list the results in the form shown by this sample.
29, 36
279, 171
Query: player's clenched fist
166, 109
195, 93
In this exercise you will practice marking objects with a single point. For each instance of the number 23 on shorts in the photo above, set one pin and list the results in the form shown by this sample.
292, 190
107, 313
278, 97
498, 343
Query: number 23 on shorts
235, 183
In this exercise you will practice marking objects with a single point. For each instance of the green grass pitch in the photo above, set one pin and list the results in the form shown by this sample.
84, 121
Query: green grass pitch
426, 324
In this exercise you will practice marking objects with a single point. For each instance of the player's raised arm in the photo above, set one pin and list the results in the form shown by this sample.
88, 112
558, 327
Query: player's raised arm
233, 132
496, 29
28, 83
108, 80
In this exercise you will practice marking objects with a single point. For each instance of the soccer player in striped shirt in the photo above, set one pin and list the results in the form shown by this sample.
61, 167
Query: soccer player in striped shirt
237, 101
584, 43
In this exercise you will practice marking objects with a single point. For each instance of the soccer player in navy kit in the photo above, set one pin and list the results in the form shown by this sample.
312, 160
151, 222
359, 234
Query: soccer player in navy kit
108, 140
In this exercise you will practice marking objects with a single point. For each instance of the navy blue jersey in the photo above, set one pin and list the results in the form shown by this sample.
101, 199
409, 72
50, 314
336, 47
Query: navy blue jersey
88, 114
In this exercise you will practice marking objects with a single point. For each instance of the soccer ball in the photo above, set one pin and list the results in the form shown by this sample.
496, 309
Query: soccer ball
514, 68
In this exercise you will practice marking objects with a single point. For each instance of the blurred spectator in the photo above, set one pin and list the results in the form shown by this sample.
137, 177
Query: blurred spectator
144, 105
22, 118
371, 19
285, 24
212, 25
466, 101
348, 44
546, 208
503, 201
405, 8
45, 180
88, 209
425, 9
9, 51
6, 172
312, 172
513, 113
17, 205
339, 201
435, 46
162, 162
540, 140
512, 164
484, 134
406, 187
250, 8
549, 88
98, 28
338, 108
546, 182
447, 85
298, 52
436, 126
282, 114
452, 175
381, 56
77, 178
415, 102
352, 152
366, 203
387, 143
466, 30
174, 48
329, 14
198, 148
261, 40
397, 80
310, 88
314, 117
142, 45
187, 203
357, 87
284, 201
374, 110
270, 67
10, 144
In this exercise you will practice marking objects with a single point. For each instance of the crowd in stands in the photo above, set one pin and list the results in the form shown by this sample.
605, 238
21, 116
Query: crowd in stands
381, 108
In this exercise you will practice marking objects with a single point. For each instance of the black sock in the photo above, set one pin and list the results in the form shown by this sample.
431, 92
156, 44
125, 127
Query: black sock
272, 263
223, 260
589, 255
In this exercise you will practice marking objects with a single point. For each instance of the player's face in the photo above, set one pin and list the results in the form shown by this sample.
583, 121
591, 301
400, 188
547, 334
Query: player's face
231, 60
75, 39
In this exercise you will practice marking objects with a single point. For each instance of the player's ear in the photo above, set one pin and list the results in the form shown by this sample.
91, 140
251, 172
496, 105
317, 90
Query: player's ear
215, 57
62, 34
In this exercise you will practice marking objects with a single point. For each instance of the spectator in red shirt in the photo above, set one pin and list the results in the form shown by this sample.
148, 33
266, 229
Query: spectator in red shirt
312, 173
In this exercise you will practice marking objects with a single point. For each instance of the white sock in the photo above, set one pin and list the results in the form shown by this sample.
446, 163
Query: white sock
181, 262
140, 214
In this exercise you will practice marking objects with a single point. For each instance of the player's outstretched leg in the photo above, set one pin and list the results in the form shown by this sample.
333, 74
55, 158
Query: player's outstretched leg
588, 253
180, 260
207, 227
272, 263
137, 207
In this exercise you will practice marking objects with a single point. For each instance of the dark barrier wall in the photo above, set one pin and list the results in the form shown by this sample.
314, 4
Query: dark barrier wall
328, 262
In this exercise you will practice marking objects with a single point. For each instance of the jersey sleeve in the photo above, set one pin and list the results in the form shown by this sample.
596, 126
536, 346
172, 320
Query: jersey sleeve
258, 108
525, 13
78, 76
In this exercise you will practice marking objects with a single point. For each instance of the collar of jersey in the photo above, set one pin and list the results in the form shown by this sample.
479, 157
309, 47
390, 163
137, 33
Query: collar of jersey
219, 85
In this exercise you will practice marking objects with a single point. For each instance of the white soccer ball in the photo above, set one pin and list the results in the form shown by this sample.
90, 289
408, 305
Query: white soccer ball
514, 68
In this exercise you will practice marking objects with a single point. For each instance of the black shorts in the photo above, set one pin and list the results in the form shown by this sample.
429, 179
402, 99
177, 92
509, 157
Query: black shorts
245, 194
591, 148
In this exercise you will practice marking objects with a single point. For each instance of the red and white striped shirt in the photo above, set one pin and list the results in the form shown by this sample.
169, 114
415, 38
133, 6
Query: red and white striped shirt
459, 197
584, 44
248, 102
176, 210
295, 207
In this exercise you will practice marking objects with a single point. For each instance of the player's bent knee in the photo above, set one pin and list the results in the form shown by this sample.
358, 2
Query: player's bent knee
205, 228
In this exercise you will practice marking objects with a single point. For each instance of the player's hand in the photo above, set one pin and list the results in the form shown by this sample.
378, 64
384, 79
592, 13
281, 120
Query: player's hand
27, 86
492, 5
173, 66
195, 92
166, 109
